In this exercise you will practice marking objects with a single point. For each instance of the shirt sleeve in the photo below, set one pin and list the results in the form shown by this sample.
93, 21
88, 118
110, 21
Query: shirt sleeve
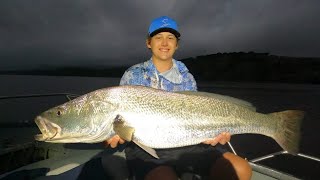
132, 76
190, 84
125, 79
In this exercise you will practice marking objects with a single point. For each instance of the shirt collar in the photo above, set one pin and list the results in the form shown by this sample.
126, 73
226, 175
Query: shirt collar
173, 75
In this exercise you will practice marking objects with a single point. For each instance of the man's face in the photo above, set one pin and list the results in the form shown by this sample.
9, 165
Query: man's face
163, 45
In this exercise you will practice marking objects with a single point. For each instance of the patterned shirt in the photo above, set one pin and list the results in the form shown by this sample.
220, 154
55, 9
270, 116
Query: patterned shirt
177, 78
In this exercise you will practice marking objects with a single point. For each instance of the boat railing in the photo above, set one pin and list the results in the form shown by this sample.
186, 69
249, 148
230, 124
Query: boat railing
268, 156
270, 171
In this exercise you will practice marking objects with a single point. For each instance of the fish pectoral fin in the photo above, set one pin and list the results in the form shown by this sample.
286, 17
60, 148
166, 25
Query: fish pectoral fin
149, 150
126, 132
121, 129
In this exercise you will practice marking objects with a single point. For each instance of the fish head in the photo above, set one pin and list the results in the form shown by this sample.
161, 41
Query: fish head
84, 119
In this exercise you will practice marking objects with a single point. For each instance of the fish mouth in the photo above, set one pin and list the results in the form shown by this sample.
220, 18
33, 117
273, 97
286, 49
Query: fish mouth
48, 129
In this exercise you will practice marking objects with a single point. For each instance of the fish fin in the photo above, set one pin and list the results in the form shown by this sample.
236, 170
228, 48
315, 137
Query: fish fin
288, 135
122, 130
237, 101
149, 150
126, 132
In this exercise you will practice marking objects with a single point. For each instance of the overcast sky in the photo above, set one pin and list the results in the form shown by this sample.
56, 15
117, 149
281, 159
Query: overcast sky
100, 32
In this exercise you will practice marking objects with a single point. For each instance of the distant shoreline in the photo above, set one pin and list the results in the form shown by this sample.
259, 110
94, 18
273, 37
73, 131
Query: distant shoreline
233, 67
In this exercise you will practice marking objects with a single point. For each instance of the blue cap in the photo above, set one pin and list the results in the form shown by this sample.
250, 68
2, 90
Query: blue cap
163, 24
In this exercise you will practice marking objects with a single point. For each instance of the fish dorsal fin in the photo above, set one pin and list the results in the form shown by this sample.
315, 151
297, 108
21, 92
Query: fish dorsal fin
126, 132
237, 101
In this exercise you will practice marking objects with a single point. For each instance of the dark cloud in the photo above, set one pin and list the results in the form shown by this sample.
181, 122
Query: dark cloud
101, 32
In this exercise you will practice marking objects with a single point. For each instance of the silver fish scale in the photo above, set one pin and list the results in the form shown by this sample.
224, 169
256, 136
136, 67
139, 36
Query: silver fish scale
163, 120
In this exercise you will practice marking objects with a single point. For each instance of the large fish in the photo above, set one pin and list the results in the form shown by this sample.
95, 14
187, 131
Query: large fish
155, 118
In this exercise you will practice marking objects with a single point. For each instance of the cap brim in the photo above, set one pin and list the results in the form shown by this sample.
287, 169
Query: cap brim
173, 31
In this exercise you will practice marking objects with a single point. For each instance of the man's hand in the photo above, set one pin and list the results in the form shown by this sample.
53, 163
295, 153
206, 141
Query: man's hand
113, 142
222, 138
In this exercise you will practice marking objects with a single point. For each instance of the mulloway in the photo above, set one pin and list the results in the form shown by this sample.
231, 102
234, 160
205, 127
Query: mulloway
155, 118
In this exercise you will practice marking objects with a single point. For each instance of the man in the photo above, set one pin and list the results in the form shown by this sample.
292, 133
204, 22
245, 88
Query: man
164, 72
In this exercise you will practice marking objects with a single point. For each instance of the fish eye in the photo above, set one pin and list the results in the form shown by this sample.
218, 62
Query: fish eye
59, 113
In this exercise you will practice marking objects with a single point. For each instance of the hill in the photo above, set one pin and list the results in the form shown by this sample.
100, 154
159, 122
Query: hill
236, 67
254, 67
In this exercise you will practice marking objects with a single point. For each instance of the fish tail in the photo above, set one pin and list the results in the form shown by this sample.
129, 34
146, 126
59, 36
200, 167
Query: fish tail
288, 133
